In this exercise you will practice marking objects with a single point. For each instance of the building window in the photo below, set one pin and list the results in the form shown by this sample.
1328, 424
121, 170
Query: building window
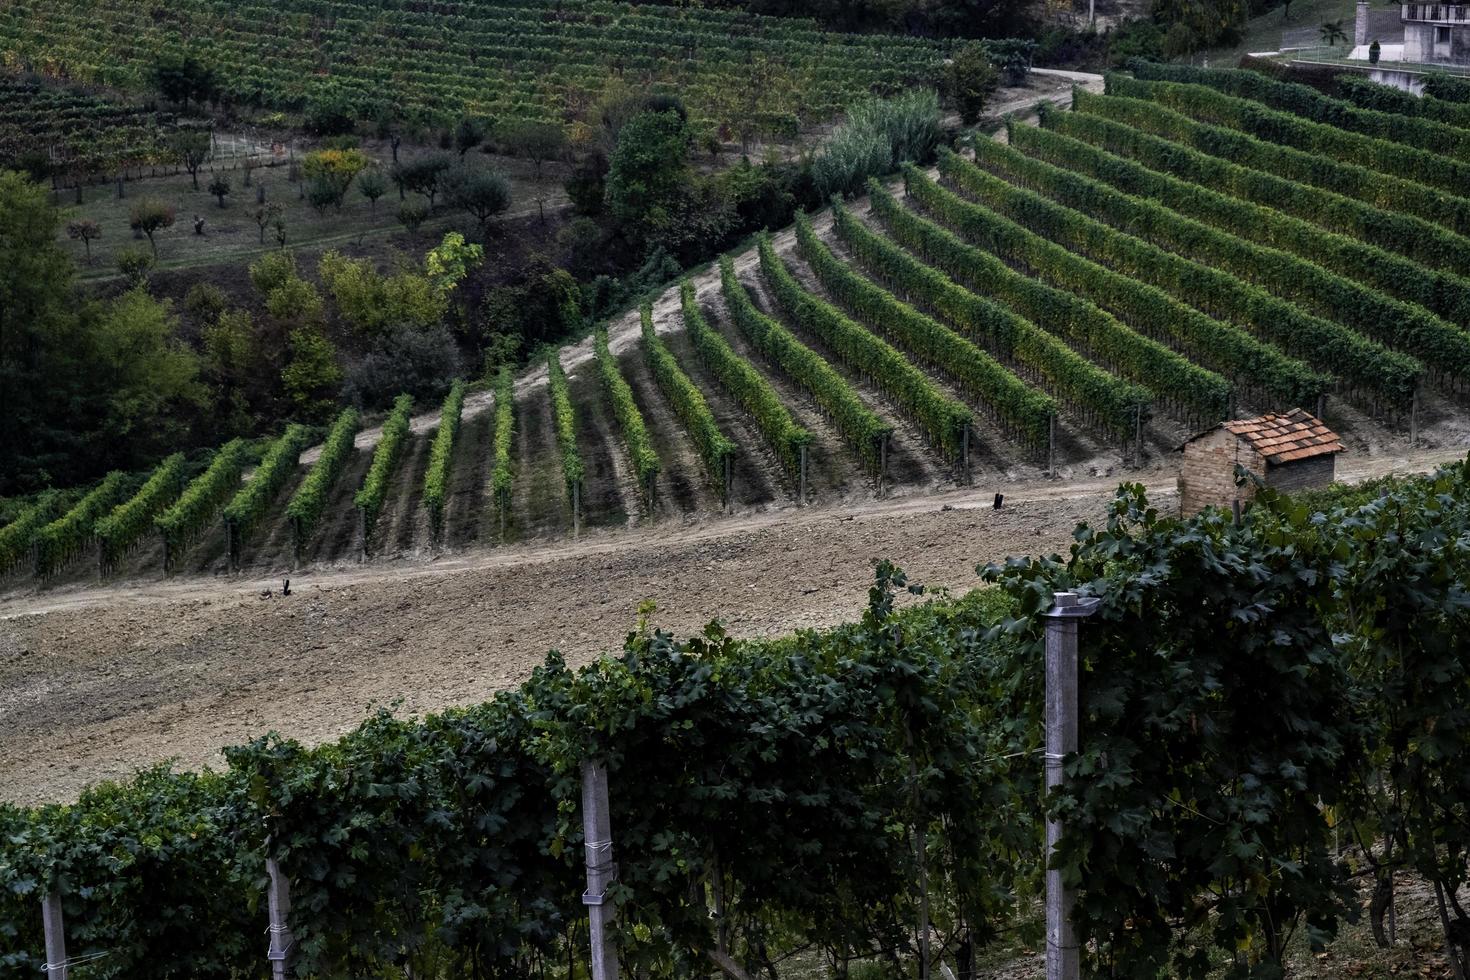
1441, 35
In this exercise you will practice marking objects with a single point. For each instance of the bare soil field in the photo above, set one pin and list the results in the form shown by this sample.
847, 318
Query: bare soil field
97, 681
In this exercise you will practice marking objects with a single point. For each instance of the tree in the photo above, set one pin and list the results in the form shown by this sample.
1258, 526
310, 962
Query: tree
191, 146
321, 195
447, 263
149, 376
372, 186
41, 347
969, 80
1331, 32
536, 141
334, 170
84, 230
426, 175
135, 266
151, 216
180, 79
265, 216
650, 173
480, 192
469, 134
312, 377
220, 188
411, 214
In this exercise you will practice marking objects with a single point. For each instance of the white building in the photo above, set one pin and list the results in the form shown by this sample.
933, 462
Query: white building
1437, 33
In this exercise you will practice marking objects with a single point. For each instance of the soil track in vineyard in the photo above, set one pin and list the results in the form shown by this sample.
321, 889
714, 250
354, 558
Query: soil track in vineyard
684, 489
336, 539
609, 497
756, 475
468, 509
268, 547
539, 504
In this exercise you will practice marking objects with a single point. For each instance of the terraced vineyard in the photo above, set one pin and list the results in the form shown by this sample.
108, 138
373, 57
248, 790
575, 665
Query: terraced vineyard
519, 58
1078, 295
77, 131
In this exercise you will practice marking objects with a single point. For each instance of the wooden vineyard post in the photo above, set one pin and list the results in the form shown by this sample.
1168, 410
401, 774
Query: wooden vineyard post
1051, 447
168, 558
601, 871
801, 479
882, 462
652, 489
1063, 956
362, 534
278, 898
1138, 435
1413, 419
576, 508
725, 490
55, 930
232, 532
965, 455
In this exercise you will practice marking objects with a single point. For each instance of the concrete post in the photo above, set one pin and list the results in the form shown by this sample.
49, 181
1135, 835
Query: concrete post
278, 898
55, 930
1063, 956
1360, 26
601, 871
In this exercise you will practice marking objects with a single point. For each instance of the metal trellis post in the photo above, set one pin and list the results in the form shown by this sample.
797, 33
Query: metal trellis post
601, 871
278, 898
1063, 957
51, 922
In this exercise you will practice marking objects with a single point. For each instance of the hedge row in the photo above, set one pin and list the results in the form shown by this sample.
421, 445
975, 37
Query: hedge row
441, 457
744, 383
1363, 363
714, 448
17, 537
1057, 273
862, 429
386, 457
1107, 402
1446, 87
202, 498
1445, 294
502, 475
1385, 189
1403, 326
310, 499
1025, 414
1384, 156
630, 419
63, 539
943, 420
1305, 101
254, 500
1118, 124
565, 417
1368, 94
131, 519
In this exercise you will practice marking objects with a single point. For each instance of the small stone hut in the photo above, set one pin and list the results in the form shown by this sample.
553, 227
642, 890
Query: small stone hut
1294, 451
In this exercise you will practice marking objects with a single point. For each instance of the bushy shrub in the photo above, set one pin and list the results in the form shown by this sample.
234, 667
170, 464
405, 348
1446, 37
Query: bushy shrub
419, 362
878, 135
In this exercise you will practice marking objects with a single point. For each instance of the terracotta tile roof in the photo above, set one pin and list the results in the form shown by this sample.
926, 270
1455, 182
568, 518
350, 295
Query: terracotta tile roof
1286, 438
